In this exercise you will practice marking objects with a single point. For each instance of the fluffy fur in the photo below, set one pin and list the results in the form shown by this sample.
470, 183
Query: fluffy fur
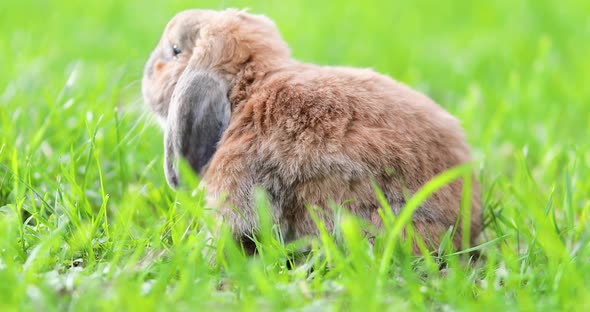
245, 114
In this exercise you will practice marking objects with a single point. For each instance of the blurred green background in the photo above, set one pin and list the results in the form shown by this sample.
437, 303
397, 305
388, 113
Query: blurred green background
76, 141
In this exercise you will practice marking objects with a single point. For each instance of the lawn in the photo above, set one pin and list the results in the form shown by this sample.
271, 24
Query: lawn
87, 221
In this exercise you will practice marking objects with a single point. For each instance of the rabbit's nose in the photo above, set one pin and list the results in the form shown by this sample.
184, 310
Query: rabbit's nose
158, 65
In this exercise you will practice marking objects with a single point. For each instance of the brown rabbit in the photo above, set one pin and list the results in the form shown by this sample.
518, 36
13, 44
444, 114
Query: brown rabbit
244, 114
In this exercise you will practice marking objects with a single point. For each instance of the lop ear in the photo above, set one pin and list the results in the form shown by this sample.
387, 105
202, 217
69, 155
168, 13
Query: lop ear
199, 112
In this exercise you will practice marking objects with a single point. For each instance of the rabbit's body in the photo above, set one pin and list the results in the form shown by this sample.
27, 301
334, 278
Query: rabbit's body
308, 135
313, 135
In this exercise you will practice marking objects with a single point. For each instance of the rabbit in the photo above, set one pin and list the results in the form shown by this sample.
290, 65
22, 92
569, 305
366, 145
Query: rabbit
244, 114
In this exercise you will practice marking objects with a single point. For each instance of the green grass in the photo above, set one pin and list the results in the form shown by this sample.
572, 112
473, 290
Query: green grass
87, 221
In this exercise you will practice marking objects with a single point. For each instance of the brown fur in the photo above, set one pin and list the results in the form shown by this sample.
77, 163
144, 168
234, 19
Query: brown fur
308, 134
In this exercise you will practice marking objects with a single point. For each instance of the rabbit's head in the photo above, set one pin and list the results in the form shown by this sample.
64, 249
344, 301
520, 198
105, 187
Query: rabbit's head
190, 72
219, 42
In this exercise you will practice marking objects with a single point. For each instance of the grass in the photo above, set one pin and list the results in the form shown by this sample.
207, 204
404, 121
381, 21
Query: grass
88, 223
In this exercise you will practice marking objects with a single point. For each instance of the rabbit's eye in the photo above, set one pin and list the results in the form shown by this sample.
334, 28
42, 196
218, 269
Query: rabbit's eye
176, 50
